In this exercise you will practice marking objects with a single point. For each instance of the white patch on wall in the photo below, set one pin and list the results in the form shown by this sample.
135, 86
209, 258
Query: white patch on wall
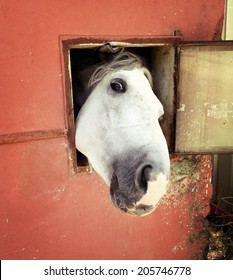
220, 110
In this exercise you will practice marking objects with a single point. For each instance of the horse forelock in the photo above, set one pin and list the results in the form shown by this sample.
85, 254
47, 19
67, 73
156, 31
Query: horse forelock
123, 60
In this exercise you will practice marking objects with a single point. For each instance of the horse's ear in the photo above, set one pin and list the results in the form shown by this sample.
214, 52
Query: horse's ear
106, 51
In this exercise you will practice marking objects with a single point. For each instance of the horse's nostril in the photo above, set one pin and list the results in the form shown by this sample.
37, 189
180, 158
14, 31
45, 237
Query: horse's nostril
146, 171
144, 176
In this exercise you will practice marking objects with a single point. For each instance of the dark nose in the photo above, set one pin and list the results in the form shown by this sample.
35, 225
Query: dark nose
144, 174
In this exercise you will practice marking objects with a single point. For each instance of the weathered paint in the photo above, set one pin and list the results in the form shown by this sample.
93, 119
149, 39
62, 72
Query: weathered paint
47, 213
205, 116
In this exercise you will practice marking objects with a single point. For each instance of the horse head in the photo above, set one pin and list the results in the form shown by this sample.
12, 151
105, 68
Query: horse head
118, 130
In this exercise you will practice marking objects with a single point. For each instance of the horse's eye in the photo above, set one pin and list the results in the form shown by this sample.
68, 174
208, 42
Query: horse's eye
118, 86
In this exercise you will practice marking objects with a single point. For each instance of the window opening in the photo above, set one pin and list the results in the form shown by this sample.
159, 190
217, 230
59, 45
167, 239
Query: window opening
158, 58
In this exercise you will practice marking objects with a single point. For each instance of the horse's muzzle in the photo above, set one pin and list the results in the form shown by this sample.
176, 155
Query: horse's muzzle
142, 196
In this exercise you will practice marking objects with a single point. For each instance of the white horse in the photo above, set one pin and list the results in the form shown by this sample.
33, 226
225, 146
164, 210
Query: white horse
118, 130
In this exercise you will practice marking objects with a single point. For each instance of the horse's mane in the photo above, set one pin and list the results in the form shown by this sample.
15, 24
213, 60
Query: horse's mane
123, 60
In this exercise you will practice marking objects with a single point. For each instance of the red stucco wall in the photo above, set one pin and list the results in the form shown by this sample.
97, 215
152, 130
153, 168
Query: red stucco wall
46, 213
